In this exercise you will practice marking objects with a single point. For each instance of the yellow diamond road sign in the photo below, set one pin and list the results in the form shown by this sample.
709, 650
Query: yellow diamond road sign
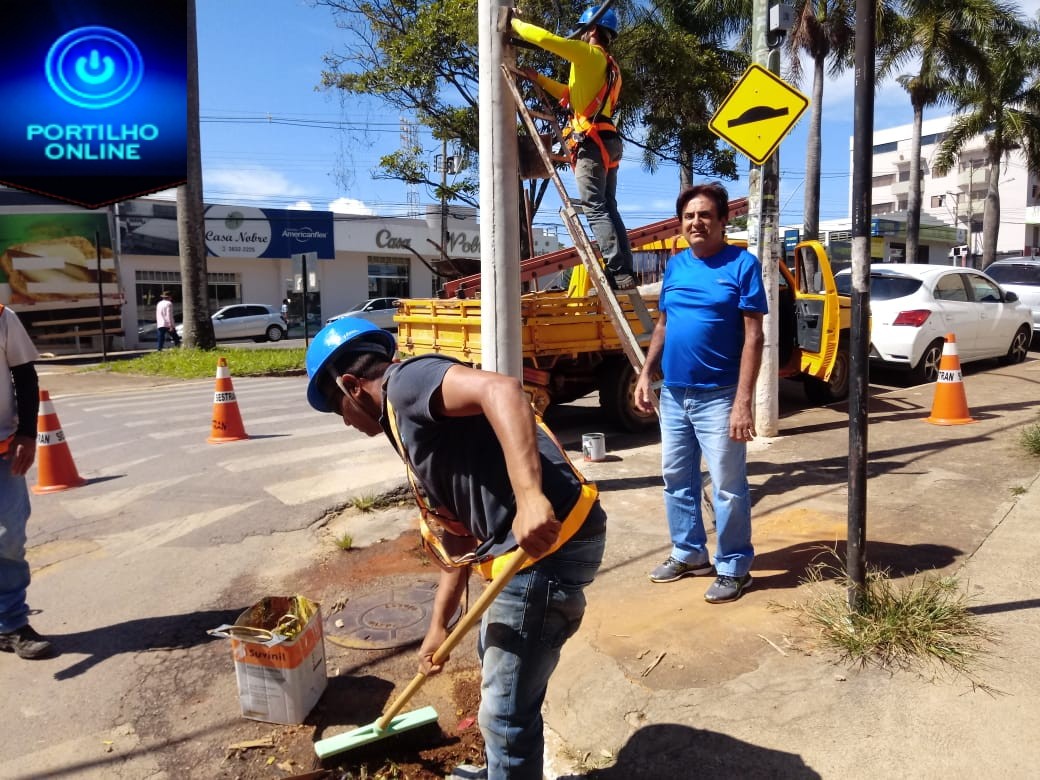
758, 113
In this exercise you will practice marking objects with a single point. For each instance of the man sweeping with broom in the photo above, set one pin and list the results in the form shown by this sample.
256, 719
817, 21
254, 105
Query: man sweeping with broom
487, 479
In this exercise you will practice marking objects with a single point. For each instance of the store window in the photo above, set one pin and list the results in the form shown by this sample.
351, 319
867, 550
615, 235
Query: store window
222, 289
388, 277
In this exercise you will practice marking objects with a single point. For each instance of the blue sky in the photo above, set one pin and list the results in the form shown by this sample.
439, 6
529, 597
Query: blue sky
272, 137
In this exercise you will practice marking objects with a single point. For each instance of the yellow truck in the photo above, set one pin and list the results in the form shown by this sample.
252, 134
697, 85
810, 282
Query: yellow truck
571, 349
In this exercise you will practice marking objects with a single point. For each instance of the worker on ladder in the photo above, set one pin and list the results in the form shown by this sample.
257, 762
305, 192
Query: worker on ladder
591, 95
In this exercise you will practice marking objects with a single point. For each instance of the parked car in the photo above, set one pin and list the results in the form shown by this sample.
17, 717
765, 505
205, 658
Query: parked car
1020, 275
379, 311
914, 306
256, 321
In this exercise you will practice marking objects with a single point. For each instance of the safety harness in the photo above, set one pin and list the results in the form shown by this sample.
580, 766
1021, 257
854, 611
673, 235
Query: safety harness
588, 124
439, 531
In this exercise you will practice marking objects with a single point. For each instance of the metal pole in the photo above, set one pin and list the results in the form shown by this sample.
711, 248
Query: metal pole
306, 331
444, 204
501, 349
100, 297
862, 172
762, 197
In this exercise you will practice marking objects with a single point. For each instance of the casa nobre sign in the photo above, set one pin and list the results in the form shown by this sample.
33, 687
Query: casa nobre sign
245, 231
95, 98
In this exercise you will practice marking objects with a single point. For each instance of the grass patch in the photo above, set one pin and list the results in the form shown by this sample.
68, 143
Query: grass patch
345, 542
1031, 439
186, 363
925, 620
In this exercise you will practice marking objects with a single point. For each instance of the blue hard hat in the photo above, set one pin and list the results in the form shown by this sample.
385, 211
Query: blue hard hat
347, 334
608, 20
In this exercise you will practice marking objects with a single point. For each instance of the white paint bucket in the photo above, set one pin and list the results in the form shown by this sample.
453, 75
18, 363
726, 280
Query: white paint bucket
593, 447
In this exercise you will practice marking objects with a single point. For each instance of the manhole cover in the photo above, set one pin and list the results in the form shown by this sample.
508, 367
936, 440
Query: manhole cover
387, 618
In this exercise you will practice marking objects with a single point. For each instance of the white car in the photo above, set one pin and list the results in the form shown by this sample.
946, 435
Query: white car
1020, 275
379, 311
913, 307
256, 321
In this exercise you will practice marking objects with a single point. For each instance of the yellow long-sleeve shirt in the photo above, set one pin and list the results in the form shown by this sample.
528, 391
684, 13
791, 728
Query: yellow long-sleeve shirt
588, 67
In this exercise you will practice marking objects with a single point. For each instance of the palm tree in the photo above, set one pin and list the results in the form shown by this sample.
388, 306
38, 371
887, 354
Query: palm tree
824, 30
1000, 102
944, 40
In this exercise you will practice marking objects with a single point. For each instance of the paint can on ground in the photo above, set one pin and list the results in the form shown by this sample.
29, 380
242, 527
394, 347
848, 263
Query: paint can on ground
593, 447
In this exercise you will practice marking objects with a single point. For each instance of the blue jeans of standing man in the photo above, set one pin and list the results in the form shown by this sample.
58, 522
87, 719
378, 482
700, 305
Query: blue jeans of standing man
521, 636
598, 187
14, 569
696, 423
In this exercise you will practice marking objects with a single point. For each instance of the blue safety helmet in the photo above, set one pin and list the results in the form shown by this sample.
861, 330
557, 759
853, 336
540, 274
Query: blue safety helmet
347, 334
607, 21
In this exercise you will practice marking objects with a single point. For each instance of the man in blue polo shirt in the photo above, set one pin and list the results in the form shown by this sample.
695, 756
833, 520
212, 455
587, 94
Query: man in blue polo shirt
708, 344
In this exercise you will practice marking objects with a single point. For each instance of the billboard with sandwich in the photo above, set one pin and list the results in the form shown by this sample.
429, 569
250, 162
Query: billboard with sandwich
50, 261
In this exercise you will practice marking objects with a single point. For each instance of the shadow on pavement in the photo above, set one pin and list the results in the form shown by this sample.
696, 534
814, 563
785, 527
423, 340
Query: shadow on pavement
667, 751
167, 632
793, 562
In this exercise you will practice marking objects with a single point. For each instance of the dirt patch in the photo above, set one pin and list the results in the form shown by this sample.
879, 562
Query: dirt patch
362, 683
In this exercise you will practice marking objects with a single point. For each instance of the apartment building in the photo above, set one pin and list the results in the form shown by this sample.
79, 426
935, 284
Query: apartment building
956, 199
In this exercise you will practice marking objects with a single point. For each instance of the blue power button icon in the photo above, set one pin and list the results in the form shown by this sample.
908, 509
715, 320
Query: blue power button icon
94, 67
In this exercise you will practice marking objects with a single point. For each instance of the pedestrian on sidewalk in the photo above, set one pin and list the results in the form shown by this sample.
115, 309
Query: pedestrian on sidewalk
164, 325
486, 478
591, 95
19, 410
708, 344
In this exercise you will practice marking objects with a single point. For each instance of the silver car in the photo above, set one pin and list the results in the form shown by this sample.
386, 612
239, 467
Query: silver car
379, 311
256, 321
1020, 275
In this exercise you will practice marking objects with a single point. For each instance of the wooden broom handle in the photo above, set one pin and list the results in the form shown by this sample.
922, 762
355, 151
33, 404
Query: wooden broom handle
516, 562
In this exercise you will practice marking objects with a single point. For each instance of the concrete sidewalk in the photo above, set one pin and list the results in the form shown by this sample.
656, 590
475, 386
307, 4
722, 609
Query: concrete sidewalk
660, 684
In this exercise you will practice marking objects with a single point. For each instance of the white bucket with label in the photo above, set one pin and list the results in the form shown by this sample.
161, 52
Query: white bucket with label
594, 447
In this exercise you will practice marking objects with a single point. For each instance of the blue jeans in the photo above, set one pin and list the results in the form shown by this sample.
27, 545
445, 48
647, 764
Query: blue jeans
696, 422
14, 569
598, 186
161, 334
521, 636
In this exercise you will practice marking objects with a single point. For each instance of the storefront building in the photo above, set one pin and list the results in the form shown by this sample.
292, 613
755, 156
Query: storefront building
254, 255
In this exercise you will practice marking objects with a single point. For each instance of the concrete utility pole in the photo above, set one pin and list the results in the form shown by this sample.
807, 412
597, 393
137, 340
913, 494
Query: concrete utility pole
500, 345
763, 216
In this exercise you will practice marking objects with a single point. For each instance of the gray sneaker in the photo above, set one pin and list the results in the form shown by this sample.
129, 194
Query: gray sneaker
726, 588
468, 772
673, 569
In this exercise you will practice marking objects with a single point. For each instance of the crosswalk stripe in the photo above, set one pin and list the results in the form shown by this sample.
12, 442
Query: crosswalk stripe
354, 479
155, 535
113, 502
280, 457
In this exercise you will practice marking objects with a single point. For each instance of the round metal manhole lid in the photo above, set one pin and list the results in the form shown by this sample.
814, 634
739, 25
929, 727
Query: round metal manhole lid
387, 618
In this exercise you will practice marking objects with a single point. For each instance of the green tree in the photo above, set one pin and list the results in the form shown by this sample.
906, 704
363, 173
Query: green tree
680, 67
420, 56
1001, 102
944, 41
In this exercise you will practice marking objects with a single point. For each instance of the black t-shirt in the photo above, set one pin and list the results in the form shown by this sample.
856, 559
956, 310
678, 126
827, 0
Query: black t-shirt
458, 461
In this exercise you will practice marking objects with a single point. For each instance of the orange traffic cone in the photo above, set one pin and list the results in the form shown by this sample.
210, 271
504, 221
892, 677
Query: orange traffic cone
950, 406
54, 467
227, 422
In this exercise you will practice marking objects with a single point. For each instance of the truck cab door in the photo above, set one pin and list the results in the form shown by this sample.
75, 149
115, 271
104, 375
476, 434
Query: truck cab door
816, 309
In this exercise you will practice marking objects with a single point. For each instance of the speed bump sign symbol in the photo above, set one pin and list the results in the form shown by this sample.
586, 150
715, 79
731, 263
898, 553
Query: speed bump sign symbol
758, 112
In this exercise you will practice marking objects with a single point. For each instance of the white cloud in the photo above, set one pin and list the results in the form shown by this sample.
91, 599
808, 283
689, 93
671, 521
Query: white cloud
302, 205
350, 206
253, 185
